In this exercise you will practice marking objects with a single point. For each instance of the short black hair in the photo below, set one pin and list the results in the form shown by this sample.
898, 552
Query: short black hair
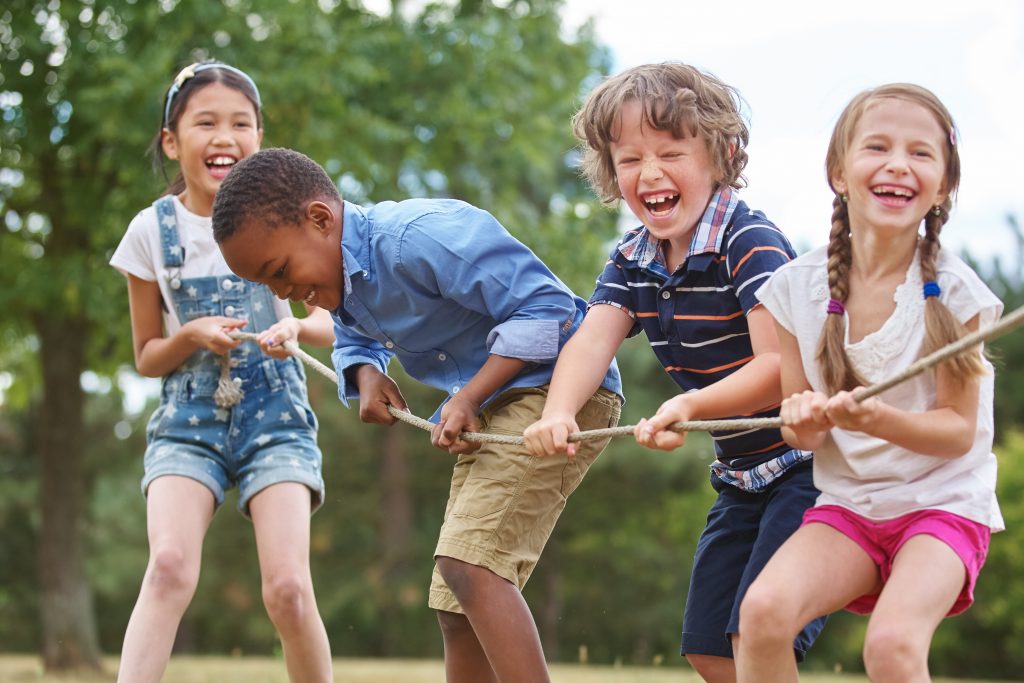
274, 184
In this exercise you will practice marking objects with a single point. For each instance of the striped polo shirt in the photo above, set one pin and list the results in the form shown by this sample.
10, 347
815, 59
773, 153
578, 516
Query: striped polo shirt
695, 318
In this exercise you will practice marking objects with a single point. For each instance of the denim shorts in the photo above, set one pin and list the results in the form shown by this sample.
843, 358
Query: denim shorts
504, 502
744, 529
267, 438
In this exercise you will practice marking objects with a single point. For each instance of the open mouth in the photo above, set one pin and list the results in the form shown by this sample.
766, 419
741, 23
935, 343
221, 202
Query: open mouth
220, 165
310, 297
662, 203
893, 195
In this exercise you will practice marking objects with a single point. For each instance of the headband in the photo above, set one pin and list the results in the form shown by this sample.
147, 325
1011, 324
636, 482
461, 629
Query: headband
191, 70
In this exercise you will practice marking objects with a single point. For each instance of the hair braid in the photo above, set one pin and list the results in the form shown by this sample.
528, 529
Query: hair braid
941, 326
836, 369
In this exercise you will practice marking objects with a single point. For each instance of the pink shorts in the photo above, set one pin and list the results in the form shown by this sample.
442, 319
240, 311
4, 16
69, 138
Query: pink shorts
882, 540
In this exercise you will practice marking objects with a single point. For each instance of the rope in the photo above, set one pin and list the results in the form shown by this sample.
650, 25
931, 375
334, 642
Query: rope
999, 328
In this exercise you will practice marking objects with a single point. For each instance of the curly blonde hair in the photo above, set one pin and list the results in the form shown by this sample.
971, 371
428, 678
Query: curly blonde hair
675, 97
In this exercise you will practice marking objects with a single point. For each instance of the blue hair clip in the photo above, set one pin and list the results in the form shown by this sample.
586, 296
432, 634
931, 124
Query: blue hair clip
191, 70
931, 288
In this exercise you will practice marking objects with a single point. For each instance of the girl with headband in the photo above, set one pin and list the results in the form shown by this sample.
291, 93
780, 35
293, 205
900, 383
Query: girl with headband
231, 413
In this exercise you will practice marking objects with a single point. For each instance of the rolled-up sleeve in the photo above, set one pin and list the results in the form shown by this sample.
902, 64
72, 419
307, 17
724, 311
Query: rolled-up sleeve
351, 348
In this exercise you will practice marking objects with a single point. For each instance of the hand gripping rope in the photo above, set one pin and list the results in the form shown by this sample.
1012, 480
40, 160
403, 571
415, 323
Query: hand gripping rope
999, 328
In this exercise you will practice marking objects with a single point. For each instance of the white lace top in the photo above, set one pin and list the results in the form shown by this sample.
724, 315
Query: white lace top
868, 475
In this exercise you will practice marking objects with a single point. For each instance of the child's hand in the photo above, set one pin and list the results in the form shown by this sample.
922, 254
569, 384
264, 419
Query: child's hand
654, 433
376, 392
458, 415
805, 415
211, 332
272, 339
846, 413
550, 435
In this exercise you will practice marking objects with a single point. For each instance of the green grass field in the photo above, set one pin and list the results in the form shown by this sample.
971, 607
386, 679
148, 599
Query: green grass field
20, 669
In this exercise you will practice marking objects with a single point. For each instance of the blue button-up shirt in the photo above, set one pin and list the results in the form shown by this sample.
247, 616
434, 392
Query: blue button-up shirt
442, 285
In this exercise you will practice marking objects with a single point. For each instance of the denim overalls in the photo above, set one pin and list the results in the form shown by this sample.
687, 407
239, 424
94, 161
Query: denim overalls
266, 438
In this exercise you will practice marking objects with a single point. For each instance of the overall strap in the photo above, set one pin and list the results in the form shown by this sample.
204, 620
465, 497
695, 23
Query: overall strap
166, 218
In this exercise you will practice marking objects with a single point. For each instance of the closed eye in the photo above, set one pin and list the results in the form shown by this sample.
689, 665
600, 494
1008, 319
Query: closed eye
279, 273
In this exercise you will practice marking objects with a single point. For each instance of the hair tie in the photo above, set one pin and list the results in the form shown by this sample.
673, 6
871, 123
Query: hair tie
835, 307
931, 288
191, 70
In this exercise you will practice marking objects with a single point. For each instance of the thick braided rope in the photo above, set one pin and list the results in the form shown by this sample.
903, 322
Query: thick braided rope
1002, 326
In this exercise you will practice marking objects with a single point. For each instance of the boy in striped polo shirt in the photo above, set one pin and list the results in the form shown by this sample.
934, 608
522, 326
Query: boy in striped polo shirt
668, 139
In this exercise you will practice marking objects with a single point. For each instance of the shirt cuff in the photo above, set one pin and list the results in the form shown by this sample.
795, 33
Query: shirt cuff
346, 358
529, 340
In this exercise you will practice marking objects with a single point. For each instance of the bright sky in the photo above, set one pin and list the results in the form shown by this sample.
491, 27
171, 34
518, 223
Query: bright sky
797, 63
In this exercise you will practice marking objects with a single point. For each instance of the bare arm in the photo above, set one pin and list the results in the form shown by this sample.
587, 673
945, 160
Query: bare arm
581, 366
157, 355
459, 414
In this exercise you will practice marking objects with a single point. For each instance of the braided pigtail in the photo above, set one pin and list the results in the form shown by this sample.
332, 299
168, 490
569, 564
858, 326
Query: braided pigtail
941, 326
836, 369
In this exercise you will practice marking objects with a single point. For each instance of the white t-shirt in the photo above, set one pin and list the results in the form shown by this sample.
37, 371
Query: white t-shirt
140, 254
870, 476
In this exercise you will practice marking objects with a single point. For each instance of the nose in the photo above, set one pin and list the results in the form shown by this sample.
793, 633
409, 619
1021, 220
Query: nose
897, 162
650, 169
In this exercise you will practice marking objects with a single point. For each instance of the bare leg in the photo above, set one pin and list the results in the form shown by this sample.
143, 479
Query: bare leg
501, 621
927, 576
464, 657
280, 517
713, 669
178, 513
816, 571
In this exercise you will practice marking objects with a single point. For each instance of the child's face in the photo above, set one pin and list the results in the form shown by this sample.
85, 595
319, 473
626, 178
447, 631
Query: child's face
666, 181
216, 129
894, 170
298, 262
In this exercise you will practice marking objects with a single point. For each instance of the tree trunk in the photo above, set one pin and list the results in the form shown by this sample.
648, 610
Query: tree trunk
396, 532
70, 640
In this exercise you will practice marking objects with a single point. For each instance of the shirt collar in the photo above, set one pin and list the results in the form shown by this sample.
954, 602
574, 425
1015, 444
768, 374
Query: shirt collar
645, 250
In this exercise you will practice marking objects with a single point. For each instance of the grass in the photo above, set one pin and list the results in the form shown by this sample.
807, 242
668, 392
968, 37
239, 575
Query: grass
26, 669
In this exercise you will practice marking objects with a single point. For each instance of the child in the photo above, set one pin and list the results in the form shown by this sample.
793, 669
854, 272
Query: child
907, 479
467, 309
257, 429
669, 140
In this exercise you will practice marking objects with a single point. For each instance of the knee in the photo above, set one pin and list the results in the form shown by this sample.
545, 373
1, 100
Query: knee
170, 575
711, 668
766, 620
894, 653
453, 625
461, 577
287, 597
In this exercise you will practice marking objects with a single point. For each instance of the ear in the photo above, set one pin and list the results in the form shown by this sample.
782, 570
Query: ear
169, 143
838, 183
321, 215
259, 138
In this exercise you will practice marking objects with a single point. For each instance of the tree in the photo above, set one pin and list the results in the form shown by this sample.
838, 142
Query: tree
458, 101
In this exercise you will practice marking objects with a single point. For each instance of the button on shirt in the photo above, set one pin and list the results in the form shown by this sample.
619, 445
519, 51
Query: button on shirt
695, 318
442, 285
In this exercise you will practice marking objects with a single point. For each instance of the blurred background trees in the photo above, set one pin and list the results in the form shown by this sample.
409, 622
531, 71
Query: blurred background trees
466, 99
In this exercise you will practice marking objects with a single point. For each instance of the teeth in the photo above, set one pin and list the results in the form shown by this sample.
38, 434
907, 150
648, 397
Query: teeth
309, 297
898, 191
221, 161
653, 201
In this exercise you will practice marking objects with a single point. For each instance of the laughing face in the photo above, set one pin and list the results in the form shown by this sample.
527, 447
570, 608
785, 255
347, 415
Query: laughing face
300, 262
666, 181
217, 128
894, 169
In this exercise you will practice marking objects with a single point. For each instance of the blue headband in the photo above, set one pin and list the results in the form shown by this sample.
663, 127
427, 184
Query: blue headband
191, 70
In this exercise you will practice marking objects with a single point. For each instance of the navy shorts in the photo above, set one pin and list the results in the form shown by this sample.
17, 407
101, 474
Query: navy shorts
743, 531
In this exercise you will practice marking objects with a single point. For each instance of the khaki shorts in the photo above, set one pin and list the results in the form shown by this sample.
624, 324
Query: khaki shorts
504, 502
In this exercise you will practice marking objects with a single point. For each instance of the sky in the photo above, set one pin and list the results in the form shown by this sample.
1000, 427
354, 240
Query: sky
798, 63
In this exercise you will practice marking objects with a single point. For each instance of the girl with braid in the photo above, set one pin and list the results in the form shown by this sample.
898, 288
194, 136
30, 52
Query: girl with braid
907, 479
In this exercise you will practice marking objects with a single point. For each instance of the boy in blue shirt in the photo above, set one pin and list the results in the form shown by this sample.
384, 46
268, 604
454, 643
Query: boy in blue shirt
467, 309
669, 139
